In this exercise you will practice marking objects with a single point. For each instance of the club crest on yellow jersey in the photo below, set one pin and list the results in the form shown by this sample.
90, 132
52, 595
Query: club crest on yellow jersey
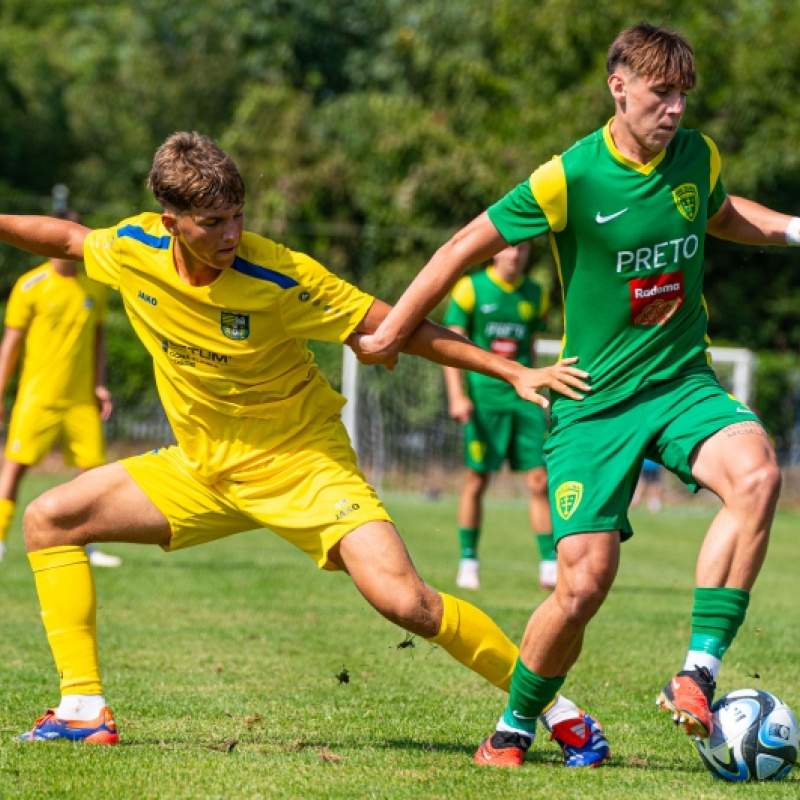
687, 199
568, 498
234, 325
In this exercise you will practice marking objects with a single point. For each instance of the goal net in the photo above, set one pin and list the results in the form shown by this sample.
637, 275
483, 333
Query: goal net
405, 439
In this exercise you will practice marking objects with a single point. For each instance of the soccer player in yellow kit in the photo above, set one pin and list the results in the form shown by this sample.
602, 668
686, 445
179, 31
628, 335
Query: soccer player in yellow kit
57, 313
225, 315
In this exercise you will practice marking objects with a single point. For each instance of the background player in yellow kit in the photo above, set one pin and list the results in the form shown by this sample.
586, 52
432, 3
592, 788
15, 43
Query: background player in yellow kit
57, 314
225, 315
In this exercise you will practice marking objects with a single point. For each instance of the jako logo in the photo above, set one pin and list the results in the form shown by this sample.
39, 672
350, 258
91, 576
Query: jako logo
147, 298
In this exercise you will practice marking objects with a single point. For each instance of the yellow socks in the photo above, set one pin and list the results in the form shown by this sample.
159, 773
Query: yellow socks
473, 639
7, 508
66, 590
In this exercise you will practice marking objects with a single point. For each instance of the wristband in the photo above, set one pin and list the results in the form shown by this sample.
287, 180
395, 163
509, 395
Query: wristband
793, 232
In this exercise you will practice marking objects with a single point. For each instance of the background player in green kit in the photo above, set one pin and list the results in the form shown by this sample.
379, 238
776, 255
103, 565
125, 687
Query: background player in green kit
501, 309
627, 210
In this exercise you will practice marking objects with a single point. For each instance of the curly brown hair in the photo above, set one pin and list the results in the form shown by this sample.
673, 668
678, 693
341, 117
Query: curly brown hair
190, 171
654, 52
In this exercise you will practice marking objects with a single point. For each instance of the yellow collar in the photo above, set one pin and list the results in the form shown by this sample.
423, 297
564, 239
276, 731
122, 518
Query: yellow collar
494, 276
645, 169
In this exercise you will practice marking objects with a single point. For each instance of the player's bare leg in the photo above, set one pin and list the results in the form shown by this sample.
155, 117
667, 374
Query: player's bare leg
553, 638
539, 508
102, 505
11, 474
738, 464
470, 518
550, 646
381, 569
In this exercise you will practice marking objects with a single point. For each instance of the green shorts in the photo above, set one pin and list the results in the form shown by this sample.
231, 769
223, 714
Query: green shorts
516, 434
594, 459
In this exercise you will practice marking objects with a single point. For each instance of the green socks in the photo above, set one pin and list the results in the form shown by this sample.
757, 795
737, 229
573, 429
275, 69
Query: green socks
468, 539
717, 615
547, 547
529, 695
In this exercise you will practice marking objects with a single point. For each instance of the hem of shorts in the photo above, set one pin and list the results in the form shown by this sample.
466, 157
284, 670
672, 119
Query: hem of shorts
167, 548
598, 527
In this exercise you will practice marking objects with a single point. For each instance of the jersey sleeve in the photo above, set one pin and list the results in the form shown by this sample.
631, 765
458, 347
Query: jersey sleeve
534, 207
717, 194
322, 307
461, 304
20, 308
101, 254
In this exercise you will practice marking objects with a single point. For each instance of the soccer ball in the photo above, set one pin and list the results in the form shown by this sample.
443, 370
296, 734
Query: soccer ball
755, 737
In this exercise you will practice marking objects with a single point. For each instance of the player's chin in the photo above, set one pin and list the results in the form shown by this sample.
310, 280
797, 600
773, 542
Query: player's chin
224, 259
662, 137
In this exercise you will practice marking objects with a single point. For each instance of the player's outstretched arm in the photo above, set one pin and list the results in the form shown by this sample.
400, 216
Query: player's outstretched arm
44, 236
474, 243
743, 221
448, 348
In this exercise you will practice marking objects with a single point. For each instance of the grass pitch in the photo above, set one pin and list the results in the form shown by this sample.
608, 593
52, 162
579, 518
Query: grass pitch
237, 670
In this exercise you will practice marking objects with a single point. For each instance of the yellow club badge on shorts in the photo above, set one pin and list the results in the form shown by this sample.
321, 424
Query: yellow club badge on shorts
568, 498
477, 451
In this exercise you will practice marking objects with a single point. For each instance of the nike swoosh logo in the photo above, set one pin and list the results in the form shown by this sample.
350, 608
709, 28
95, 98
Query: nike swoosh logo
520, 716
487, 309
743, 411
601, 220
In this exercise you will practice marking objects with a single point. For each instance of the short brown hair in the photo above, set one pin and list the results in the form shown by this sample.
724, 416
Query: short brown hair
654, 53
190, 171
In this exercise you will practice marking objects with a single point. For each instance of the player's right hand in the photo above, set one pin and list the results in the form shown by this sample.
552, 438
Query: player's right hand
561, 377
461, 409
354, 342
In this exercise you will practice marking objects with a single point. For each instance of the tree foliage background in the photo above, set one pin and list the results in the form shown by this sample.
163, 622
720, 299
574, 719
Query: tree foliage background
368, 132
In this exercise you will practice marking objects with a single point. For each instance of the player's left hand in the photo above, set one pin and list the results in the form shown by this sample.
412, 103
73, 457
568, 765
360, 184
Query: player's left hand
355, 342
104, 401
562, 377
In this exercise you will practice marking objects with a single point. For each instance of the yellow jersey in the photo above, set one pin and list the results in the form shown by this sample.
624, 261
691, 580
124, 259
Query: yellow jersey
60, 315
233, 370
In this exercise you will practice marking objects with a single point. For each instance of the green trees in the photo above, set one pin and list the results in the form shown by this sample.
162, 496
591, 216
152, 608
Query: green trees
368, 132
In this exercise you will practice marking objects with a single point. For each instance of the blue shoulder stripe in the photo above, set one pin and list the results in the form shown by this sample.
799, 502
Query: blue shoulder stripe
263, 274
137, 233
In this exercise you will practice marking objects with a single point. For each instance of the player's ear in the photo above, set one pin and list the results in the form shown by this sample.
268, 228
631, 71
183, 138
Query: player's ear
170, 220
616, 84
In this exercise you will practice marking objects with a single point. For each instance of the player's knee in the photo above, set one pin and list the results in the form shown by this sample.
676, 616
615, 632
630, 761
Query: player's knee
412, 608
580, 600
43, 523
475, 483
537, 482
759, 486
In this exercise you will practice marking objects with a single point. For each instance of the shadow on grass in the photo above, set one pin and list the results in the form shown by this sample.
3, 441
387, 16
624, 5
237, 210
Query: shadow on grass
539, 756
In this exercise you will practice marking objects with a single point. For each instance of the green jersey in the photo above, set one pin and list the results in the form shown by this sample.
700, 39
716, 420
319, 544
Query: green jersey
628, 240
500, 317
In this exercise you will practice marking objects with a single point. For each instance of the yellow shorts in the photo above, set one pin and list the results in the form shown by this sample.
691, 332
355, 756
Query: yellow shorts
34, 431
312, 496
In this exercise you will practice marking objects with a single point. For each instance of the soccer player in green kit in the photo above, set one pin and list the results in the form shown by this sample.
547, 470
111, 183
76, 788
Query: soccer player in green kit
627, 210
501, 309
